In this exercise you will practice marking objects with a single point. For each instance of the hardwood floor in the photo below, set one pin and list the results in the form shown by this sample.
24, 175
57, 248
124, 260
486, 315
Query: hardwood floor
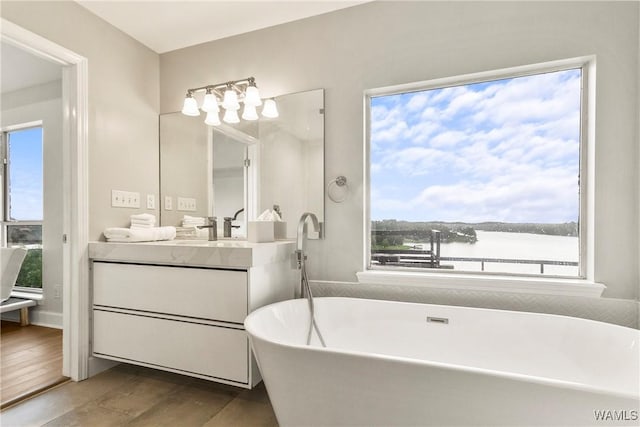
128, 395
30, 360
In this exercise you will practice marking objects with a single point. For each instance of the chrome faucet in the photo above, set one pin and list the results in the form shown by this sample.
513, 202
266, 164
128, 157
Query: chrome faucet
301, 239
227, 223
212, 225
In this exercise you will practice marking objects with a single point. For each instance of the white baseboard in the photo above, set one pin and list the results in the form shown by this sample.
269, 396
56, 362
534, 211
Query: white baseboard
48, 319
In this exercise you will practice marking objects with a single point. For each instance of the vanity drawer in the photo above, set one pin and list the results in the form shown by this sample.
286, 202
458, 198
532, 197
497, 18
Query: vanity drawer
191, 347
192, 292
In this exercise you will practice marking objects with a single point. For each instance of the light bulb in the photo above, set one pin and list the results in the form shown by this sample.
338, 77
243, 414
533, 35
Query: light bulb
190, 106
212, 119
252, 97
210, 103
270, 109
249, 112
230, 101
231, 116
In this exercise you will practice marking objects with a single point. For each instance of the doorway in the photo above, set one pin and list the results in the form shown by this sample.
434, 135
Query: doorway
31, 196
73, 234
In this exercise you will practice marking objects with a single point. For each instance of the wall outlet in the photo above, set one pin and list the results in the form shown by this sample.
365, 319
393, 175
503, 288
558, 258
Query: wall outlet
186, 204
168, 203
125, 199
151, 201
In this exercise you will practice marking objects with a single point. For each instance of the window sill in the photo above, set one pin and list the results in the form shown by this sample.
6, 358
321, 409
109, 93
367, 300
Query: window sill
32, 295
475, 282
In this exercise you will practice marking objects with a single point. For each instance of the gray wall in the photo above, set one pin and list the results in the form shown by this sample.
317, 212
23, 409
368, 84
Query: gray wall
387, 43
123, 103
184, 163
345, 52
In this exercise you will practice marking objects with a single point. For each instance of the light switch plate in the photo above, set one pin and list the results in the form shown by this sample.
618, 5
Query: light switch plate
168, 203
125, 199
186, 204
151, 201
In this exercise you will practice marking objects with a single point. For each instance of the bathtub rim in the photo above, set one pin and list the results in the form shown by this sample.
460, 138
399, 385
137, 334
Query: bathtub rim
571, 385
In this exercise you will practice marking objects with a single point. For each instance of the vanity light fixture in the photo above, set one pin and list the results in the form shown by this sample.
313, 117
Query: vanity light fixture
230, 101
212, 119
231, 116
249, 112
270, 109
229, 95
190, 107
210, 103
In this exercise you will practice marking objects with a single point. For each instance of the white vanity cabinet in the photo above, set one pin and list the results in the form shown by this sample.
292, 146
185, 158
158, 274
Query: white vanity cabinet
184, 316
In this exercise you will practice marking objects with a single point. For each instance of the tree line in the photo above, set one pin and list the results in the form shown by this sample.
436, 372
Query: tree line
391, 232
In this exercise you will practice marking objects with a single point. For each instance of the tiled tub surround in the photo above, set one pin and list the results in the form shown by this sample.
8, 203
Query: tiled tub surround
179, 306
394, 363
617, 311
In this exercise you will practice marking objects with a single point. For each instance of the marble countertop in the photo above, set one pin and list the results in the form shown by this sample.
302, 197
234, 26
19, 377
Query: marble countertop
199, 253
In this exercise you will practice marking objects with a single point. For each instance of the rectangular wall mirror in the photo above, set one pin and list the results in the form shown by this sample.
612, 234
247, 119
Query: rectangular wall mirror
238, 171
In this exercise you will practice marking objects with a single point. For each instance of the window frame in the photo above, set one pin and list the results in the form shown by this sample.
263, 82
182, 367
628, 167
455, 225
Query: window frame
5, 220
583, 284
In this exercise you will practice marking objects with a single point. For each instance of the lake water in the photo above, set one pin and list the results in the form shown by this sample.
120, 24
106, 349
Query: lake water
492, 244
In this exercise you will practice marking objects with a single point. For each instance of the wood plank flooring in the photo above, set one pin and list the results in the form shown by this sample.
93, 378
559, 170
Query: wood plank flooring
30, 360
128, 395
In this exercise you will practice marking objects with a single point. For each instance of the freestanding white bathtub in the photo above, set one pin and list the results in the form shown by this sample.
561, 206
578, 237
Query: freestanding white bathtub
392, 363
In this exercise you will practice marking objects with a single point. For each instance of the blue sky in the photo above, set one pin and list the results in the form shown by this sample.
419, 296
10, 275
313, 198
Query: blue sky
25, 148
505, 150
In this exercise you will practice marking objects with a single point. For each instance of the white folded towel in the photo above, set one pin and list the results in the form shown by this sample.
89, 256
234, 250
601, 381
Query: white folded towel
144, 220
133, 225
143, 217
189, 217
116, 234
139, 221
147, 221
192, 221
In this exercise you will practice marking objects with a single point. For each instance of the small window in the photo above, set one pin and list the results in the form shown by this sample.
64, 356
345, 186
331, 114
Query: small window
479, 176
22, 199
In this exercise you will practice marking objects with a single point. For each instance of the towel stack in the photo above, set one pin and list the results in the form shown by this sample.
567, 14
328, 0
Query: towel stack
144, 220
192, 221
143, 229
186, 233
130, 235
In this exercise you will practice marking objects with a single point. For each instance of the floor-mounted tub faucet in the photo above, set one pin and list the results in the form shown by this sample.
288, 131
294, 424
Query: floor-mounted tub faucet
301, 239
301, 243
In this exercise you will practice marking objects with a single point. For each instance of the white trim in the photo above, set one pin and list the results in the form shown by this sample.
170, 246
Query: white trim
27, 125
75, 317
27, 293
585, 285
587, 184
48, 319
487, 283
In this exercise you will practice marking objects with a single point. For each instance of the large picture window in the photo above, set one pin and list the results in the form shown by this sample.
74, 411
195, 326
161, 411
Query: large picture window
479, 176
22, 199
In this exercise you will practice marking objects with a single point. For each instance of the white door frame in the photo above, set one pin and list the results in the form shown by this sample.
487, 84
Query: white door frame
75, 315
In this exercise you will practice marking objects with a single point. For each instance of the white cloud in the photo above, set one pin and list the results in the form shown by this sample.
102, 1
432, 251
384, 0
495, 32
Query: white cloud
506, 151
418, 101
